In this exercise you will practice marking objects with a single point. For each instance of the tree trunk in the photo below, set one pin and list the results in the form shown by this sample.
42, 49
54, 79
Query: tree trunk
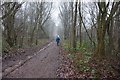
74, 27
101, 34
71, 27
80, 24
110, 35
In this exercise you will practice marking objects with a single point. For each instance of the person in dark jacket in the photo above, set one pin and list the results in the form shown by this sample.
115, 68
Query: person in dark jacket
58, 40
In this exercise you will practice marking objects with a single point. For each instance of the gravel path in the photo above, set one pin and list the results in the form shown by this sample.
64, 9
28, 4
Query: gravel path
43, 65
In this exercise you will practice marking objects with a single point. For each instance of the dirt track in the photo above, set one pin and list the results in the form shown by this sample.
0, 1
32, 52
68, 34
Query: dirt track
43, 65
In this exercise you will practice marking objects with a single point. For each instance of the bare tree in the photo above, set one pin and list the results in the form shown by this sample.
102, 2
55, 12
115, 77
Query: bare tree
103, 23
9, 9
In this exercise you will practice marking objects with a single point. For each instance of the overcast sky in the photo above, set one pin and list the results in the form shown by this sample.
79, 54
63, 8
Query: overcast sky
55, 13
55, 17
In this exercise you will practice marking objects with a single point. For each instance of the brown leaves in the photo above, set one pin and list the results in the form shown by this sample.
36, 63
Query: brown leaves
66, 69
82, 67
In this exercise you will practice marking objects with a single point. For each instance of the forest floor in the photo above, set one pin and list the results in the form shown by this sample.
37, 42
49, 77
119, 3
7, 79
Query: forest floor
82, 63
52, 61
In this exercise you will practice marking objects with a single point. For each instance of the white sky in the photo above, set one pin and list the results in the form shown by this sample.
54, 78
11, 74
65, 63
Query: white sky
55, 13
55, 17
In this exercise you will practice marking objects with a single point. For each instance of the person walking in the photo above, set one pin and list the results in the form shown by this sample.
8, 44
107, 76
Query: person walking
58, 40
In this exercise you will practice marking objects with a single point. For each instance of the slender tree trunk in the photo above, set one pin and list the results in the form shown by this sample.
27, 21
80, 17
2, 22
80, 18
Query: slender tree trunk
110, 35
74, 27
71, 28
21, 43
80, 24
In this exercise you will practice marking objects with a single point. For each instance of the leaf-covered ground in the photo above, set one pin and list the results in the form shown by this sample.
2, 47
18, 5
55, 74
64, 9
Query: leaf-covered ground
85, 65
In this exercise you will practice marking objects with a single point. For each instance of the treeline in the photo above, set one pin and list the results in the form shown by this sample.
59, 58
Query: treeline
97, 23
23, 24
